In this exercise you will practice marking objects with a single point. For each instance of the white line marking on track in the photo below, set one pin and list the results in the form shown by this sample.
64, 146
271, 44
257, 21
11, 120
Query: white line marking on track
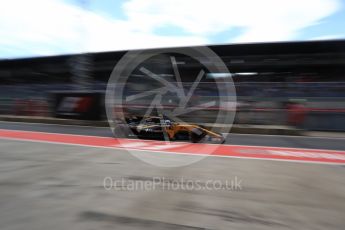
179, 154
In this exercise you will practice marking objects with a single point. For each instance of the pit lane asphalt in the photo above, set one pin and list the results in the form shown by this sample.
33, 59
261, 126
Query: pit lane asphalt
235, 139
55, 186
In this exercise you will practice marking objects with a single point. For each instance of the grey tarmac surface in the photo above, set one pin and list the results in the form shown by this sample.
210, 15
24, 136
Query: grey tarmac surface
53, 186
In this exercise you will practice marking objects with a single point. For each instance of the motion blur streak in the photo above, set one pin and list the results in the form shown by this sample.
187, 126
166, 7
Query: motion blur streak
236, 151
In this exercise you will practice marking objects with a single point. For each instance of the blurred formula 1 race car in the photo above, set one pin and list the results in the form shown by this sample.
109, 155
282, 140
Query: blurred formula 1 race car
161, 127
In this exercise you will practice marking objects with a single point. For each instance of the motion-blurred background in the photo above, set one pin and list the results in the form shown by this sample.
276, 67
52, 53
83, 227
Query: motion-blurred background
291, 85
296, 85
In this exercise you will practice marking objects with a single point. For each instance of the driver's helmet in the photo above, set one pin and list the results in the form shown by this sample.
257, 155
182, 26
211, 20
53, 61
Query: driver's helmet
168, 122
